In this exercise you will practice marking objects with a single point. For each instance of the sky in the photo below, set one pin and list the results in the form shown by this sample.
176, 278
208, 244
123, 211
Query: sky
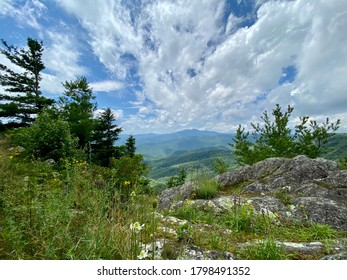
169, 65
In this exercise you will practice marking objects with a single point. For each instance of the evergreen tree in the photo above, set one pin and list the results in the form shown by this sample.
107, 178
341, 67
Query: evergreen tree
23, 98
105, 134
77, 109
276, 139
130, 147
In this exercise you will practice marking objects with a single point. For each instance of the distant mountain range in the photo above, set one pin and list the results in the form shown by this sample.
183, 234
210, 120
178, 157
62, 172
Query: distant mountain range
155, 146
194, 149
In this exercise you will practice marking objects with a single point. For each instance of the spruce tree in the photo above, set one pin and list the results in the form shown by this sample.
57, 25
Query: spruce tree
77, 107
130, 147
106, 133
22, 99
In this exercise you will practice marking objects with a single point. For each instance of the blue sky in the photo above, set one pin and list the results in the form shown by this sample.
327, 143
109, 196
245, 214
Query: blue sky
168, 65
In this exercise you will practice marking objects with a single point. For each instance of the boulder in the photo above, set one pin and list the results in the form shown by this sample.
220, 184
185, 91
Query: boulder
180, 193
301, 188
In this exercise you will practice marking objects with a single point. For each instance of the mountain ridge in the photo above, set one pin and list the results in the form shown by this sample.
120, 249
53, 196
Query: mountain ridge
154, 146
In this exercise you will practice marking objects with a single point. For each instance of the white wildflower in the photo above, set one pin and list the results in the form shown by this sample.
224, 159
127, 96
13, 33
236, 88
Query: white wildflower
136, 227
143, 255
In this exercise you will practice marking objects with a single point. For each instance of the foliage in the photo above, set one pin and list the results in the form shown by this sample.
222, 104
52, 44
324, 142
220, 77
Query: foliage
263, 250
47, 139
206, 189
129, 175
220, 166
77, 107
49, 214
24, 98
104, 136
321, 232
178, 179
275, 138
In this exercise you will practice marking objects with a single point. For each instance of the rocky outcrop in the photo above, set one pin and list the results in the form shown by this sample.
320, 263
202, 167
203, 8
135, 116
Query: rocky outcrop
180, 193
304, 190
307, 189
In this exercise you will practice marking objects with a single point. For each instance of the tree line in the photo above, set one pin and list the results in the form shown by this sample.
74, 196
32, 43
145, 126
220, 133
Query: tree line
55, 129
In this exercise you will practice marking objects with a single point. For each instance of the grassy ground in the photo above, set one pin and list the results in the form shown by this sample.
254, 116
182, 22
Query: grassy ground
77, 212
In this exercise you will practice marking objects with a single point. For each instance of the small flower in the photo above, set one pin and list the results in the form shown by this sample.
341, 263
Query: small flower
127, 183
10, 157
136, 227
302, 206
276, 215
143, 255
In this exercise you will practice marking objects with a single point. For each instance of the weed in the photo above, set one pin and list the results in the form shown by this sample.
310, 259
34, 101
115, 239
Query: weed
266, 249
206, 189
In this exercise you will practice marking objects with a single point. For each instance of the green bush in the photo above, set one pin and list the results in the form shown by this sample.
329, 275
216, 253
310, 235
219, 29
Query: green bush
264, 250
320, 232
47, 138
207, 189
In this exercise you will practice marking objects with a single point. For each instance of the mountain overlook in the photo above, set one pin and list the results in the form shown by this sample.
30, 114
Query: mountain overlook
154, 146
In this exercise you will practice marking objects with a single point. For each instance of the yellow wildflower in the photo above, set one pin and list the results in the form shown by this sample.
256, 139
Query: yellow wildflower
276, 215
126, 183
10, 157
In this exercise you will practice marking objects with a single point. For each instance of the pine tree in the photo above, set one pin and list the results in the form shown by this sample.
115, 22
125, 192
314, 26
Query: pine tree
77, 109
105, 135
23, 98
274, 138
130, 147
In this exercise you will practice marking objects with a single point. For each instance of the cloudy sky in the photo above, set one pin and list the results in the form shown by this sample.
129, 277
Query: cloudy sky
168, 65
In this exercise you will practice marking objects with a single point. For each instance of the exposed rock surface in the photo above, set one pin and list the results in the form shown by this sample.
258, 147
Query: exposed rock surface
299, 189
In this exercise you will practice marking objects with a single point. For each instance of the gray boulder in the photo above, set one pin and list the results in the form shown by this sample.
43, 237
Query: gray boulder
301, 188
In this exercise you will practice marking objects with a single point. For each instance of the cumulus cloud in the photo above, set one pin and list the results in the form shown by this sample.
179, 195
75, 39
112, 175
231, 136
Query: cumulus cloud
106, 86
200, 69
118, 113
62, 61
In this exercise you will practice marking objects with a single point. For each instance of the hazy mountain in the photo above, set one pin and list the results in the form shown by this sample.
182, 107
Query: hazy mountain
162, 145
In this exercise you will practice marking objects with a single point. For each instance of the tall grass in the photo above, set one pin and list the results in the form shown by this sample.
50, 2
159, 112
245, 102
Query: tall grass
72, 214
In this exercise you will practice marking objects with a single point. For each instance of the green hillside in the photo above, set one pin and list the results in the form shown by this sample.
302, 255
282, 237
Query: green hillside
336, 148
189, 160
156, 146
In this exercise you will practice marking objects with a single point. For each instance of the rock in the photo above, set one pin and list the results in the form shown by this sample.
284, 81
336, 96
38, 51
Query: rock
298, 170
300, 189
197, 253
303, 247
183, 252
180, 193
246, 173
321, 210
339, 256
336, 179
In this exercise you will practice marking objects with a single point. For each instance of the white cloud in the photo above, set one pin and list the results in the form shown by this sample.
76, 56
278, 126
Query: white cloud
62, 61
26, 14
106, 86
196, 75
118, 113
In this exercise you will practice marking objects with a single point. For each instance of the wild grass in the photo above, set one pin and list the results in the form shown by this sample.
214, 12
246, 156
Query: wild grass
69, 214
89, 212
